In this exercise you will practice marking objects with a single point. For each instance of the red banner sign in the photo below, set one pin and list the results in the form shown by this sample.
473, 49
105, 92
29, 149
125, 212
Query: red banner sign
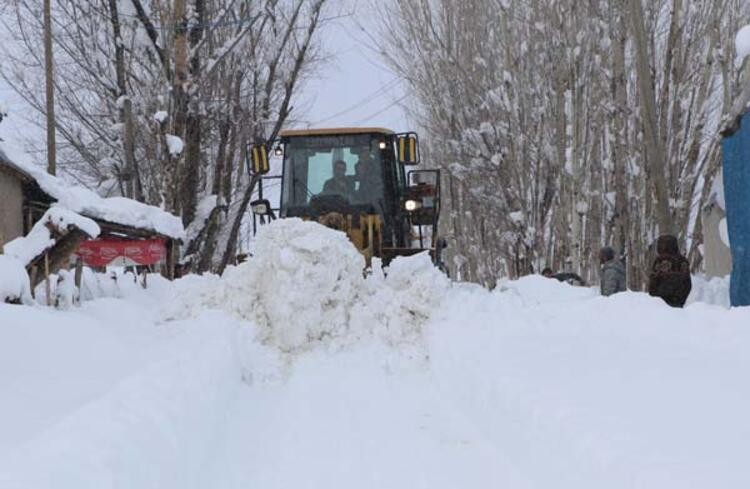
103, 252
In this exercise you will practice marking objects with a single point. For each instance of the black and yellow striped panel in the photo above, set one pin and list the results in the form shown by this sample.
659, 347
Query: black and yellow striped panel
259, 158
407, 149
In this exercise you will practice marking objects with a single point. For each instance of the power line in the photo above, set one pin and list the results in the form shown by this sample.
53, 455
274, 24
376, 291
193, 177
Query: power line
187, 23
395, 102
361, 102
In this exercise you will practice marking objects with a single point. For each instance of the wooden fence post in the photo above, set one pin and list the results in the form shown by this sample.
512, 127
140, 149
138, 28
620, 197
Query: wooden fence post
46, 279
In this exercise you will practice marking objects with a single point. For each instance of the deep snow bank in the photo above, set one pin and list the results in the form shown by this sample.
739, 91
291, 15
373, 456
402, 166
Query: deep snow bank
305, 288
14, 281
582, 391
152, 430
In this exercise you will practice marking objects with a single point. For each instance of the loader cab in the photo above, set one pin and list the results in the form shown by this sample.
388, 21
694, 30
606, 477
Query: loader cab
352, 172
355, 180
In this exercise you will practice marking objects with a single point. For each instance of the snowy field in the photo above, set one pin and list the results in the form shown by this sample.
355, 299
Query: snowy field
294, 371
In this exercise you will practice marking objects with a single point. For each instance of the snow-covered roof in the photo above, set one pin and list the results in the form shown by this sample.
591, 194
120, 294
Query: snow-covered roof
6, 162
116, 210
39, 239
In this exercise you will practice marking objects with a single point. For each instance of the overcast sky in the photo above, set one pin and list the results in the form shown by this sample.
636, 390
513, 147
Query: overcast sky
352, 88
355, 89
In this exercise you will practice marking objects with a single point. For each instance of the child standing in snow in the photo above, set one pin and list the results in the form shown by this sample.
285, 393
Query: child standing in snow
612, 274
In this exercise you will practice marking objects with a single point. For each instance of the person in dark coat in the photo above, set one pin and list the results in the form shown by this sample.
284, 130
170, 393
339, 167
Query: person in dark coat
567, 277
670, 273
612, 275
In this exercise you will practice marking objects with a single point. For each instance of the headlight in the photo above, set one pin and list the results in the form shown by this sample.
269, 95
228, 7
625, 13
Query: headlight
412, 205
383, 145
261, 209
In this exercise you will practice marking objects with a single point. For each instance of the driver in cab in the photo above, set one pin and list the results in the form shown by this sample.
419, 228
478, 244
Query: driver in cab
340, 183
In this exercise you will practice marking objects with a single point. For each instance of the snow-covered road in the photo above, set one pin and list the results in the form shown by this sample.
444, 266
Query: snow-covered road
584, 391
347, 420
533, 385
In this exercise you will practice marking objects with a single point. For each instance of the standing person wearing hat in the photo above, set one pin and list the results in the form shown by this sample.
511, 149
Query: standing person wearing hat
670, 273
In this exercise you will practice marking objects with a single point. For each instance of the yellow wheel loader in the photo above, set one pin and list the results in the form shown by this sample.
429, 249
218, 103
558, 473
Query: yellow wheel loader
355, 180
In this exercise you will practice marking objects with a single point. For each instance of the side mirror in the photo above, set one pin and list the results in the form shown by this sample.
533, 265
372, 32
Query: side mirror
408, 149
261, 207
259, 164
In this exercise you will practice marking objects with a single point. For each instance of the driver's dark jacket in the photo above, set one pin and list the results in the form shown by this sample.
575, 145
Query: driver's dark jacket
339, 186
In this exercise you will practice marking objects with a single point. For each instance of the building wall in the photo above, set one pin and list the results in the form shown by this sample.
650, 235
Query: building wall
11, 208
716, 254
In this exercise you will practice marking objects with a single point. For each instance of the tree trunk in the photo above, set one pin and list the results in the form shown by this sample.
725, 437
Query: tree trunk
655, 152
234, 234
619, 151
193, 129
126, 109
175, 172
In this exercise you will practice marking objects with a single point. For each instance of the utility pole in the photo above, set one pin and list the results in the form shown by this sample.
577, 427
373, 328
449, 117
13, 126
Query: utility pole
50, 82
655, 153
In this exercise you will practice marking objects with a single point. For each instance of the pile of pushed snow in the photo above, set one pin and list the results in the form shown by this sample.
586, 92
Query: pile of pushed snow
298, 287
396, 307
14, 281
305, 286
533, 290
39, 239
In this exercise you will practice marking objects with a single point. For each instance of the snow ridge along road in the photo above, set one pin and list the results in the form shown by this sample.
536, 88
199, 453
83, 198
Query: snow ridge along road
292, 372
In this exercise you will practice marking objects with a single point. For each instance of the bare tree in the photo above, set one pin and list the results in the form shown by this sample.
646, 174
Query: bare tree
158, 100
655, 153
562, 126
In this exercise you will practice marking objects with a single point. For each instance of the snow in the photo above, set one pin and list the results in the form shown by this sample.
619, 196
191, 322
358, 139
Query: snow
39, 239
139, 423
295, 370
14, 282
305, 287
710, 291
120, 102
516, 217
202, 212
161, 116
175, 145
113, 209
595, 392
742, 43
66, 292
